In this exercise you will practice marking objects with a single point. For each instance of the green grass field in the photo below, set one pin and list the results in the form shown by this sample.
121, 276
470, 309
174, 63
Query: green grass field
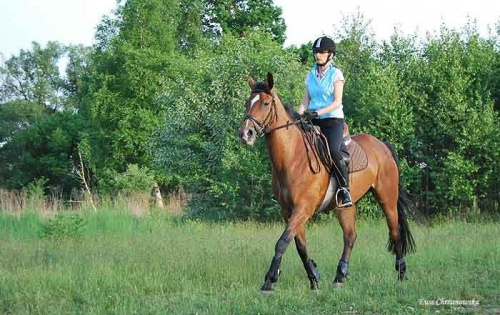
112, 262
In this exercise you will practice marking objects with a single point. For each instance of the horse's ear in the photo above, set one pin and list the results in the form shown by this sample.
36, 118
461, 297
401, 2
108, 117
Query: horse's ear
251, 82
270, 80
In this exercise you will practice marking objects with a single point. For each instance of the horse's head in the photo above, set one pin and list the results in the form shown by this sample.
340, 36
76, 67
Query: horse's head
260, 110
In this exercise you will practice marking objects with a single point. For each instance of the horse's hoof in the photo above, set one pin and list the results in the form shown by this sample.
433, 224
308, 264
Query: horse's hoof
266, 293
337, 285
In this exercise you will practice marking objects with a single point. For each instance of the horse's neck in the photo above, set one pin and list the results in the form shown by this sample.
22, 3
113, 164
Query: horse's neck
282, 144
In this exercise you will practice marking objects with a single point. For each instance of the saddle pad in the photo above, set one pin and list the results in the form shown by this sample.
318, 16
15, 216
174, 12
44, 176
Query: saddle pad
359, 160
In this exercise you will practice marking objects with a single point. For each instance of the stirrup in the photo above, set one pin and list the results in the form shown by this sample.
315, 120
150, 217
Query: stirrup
341, 204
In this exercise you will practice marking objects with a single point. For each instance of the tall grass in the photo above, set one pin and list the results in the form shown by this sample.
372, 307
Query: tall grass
112, 261
139, 204
24, 200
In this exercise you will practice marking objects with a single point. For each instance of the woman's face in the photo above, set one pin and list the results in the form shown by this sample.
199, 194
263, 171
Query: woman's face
321, 56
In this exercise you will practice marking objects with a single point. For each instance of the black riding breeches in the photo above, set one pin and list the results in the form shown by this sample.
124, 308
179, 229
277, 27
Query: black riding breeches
333, 129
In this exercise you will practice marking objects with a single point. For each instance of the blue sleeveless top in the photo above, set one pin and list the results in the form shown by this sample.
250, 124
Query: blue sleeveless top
321, 92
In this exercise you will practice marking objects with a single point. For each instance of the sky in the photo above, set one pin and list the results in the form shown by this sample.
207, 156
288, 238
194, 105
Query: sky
309, 19
65, 21
74, 21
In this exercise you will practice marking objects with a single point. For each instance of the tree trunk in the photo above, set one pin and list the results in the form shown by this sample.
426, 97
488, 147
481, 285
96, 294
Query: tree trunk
85, 186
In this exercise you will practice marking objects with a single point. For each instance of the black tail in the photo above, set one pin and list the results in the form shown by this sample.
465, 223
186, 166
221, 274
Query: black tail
407, 241
404, 203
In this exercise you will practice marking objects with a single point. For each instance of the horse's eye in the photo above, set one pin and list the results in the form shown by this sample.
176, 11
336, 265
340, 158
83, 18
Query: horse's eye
266, 103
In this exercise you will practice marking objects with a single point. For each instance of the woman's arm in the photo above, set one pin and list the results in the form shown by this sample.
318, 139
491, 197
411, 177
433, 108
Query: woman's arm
304, 105
337, 98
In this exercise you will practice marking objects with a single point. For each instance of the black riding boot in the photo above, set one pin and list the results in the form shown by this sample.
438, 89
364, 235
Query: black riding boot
340, 171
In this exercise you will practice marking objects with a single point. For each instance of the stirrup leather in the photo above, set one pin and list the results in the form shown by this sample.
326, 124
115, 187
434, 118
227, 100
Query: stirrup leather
345, 191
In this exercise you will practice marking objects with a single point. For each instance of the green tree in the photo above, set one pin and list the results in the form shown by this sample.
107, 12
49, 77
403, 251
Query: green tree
190, 30
145, 49
135, 53
30, 88
39, 127
33, 76
198, 145
45, 150
303, 53
457, 118
240, 17
77, 72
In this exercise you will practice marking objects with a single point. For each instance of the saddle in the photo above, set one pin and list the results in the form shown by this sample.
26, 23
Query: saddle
352, 153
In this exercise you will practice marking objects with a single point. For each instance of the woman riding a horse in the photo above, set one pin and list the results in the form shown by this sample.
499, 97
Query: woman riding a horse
302, 192
322, 104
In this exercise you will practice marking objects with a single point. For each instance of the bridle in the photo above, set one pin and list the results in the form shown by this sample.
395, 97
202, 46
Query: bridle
263, 128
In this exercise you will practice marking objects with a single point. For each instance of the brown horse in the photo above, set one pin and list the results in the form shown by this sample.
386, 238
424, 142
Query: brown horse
302, 192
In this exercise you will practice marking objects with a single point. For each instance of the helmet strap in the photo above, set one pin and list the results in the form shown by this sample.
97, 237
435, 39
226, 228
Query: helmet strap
330, 57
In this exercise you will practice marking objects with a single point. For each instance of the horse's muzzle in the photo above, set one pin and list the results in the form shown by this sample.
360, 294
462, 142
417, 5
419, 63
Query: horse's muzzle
247, 135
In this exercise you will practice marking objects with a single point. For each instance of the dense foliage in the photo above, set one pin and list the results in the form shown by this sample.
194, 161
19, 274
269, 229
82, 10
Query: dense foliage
160, 97
198, 143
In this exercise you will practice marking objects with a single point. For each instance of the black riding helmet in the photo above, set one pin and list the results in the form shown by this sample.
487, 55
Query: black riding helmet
324, 44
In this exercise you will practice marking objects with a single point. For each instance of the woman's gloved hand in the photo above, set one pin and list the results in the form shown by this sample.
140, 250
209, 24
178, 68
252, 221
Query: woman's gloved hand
297, 116
310, 115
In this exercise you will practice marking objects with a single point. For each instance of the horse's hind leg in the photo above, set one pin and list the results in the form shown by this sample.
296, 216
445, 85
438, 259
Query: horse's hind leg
387, 196
346, 220
395, 244
309, 264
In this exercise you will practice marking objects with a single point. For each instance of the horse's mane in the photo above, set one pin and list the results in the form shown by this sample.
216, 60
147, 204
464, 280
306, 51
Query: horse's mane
289, 110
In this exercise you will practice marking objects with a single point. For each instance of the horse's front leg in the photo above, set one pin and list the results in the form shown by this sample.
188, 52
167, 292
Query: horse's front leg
309, 264
296, 221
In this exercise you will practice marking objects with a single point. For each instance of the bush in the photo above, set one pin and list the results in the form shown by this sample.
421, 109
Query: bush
134, 179
64, 225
